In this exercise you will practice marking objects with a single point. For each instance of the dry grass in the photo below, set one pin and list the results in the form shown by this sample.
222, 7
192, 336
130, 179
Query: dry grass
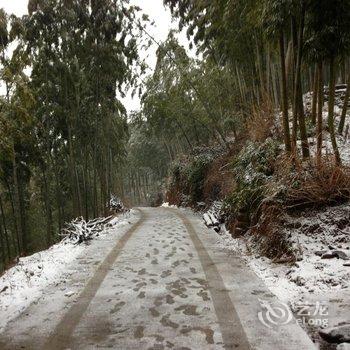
173, 197
267, 233
219, 180
306, 186
316, 186
261, 124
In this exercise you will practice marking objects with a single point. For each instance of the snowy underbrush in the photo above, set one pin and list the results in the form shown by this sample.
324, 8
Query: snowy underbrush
269, 186
25, 282
322, 240
327, 150
79, 230
290, 218
185, 187
252, 170
309, 261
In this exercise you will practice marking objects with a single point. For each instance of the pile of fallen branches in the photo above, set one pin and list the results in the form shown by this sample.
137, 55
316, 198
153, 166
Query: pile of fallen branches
117, 206
78, 230
212, 218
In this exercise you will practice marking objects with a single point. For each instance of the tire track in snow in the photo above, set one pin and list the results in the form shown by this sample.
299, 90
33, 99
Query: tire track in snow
61, 336
231, 328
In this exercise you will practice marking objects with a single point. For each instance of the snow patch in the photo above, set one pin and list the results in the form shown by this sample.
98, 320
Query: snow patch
25, 282
167, 205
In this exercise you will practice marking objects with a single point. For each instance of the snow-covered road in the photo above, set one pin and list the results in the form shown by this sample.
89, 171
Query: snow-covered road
162, 284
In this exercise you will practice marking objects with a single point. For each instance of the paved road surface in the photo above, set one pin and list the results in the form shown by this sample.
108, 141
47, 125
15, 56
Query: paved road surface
163, 285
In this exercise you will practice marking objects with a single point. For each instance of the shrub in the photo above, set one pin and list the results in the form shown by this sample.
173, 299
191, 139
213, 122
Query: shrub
252, 169
262, 123
196, 173
256, 160
267, 235
187, 178
246, 198
176, 184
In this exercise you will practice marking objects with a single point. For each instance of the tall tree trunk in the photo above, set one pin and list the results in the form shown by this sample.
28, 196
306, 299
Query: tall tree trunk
60, 214
73, 175
48, 210
2, 212
298, 96
289, 58
345, 107
274, 84
23, 215
14, 216
285, 117
331, 111
268, 71
314, 97
77, 184
86, 187
259, 67
94, 181
195, 131
58, 195
171, 158
320, 102
18, 206
294, 31
183, 133
111, 178
3, 251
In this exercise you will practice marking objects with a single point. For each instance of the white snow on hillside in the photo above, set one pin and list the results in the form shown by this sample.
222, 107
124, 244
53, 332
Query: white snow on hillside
313, 279
24, 283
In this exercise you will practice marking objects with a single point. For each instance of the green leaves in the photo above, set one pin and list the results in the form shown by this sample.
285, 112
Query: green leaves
328, 29
4, 36
275, 16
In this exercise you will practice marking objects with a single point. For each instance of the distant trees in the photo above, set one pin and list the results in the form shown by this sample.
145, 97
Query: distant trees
186, 104
18, 151
147, 162
63, 130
